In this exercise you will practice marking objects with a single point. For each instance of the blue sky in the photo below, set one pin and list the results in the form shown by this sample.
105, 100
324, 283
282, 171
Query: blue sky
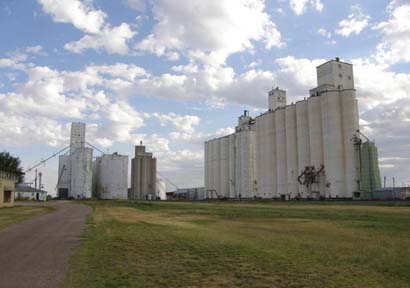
174, 73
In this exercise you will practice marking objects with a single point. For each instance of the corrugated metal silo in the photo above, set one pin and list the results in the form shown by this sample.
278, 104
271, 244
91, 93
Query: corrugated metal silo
112, 178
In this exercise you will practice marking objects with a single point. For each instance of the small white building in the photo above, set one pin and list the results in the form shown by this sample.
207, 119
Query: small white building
26, 192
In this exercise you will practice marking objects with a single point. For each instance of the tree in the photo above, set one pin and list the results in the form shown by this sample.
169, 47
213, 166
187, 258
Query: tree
9, 163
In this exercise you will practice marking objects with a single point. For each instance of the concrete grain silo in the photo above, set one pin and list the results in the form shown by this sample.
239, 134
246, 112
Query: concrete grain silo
81, 173
306, 150
143, 175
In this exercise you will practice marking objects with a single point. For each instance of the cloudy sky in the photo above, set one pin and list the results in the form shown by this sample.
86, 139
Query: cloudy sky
174, 73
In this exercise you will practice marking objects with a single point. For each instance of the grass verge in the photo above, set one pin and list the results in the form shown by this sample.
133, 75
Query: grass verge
159, 244
12, 215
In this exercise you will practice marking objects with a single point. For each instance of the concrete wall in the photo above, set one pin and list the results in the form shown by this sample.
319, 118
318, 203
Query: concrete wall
7, 189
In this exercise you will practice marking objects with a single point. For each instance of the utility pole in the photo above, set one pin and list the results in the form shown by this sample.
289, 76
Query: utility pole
384, 182
39, 180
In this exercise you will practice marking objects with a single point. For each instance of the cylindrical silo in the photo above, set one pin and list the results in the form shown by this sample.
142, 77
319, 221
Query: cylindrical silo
281, 164
350, 126
302, 124
291, 151
261, 153
232, 166
316, 145
224, 167
206, 166
211, 186
112, 179
238, 164
333, 143
81, 173
217, 165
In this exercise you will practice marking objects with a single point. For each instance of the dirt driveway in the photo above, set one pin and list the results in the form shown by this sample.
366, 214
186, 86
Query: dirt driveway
35, 253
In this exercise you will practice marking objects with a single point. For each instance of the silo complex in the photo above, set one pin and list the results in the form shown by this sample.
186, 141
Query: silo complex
75, 169
230, 163
310, 149
110, 174
143, 175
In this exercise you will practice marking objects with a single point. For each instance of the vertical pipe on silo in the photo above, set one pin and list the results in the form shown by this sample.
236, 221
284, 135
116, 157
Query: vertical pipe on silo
316, 144
350, 126
238, 164
232, 166
291, 151
281, 164
302, 125
333, 143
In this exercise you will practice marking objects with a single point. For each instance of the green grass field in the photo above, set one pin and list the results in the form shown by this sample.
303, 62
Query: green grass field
9, 216
158, 244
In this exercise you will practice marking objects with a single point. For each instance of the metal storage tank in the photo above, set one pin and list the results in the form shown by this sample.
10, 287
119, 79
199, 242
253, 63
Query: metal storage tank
81, 173
112, 177
224, 166
302, 124
316, 144
161, 188
232, 166
281, 154
265, 151
291, 151
351, 151
333, 143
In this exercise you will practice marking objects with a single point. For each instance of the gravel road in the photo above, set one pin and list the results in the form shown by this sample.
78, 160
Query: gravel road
35, 253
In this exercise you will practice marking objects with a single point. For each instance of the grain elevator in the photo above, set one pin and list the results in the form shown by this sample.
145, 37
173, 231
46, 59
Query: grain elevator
307, 149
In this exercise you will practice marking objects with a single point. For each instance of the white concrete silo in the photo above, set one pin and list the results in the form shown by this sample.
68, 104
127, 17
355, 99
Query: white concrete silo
281, 164
217, 166
291, 151
333, 143
265, 151
206, 161
232, 166
81, 173
303, 144
316, 144
224, 167
111, 177
351, 151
